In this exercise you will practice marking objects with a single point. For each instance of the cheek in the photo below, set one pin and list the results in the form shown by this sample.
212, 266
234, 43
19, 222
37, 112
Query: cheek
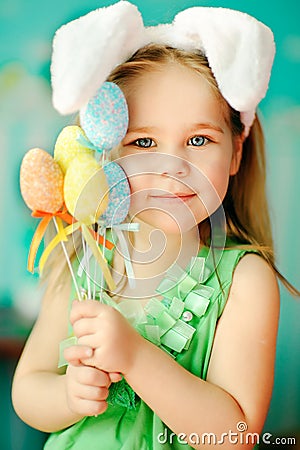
219, 178
139, 184
139, 189
213, 186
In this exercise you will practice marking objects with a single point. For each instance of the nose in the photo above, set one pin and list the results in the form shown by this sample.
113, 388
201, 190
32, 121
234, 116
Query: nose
173, 165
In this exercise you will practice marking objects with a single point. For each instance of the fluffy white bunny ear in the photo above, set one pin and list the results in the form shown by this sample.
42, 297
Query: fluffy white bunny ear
240, 51
87, 49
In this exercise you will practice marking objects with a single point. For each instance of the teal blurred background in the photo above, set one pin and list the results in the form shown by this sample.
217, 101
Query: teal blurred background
28, 120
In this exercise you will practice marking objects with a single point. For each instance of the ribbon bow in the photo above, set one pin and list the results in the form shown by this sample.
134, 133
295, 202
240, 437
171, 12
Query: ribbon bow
90, 235
41, 229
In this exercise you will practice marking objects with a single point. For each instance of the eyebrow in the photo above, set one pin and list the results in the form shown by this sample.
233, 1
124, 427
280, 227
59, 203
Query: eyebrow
206, 125
142, 130
192, 128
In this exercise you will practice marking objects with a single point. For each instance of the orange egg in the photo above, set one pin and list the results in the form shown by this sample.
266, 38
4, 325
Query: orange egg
41, 181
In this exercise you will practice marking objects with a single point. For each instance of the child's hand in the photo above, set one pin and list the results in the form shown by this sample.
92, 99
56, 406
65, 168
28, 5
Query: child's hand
103, 328
86, 387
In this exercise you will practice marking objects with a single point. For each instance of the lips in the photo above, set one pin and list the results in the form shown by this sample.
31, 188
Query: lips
178, 196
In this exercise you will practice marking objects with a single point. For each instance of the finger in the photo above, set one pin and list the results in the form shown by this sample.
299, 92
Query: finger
86, 308
95, 393
85, 326
92, 376
90, 340
115, 377
76, 353
89, 407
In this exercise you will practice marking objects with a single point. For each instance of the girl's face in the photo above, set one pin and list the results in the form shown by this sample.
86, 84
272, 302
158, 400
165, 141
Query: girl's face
178, 152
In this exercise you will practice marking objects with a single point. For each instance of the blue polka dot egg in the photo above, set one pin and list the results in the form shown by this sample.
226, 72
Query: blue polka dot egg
119, 195
105, 118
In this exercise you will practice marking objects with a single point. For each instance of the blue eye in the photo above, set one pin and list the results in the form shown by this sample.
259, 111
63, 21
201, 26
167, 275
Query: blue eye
144, 143
197, 141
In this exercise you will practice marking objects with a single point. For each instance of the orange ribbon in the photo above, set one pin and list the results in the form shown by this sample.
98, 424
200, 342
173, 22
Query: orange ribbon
41, 229
63, 214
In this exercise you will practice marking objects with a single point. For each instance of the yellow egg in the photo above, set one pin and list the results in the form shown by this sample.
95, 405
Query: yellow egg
41, 181
86, 189
67, 146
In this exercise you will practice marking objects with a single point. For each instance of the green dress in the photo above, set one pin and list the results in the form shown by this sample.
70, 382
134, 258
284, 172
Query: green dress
184, 325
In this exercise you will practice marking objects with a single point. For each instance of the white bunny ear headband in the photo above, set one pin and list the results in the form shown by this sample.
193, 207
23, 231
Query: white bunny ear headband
240, 51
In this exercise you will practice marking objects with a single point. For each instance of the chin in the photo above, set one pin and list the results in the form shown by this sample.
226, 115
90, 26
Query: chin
168, 223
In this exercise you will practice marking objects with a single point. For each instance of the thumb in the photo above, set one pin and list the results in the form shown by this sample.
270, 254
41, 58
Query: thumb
115, 377
76, 353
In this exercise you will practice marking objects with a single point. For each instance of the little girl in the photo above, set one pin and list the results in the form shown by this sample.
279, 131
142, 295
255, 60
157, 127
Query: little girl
194, 368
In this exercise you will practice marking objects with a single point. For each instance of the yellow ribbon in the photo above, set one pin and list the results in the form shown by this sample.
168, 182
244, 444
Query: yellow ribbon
41, 229
99, 256
61, 236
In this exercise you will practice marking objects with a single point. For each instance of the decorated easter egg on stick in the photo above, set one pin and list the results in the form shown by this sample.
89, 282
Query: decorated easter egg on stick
71, 142
105, 117
85, 189
119, 195
41, 181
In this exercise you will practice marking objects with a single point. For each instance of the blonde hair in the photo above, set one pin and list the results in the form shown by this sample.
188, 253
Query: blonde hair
245, 204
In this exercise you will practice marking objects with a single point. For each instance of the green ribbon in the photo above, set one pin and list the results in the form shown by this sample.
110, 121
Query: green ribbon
119, 228
161, 322
187, 288
69, 342
85, 142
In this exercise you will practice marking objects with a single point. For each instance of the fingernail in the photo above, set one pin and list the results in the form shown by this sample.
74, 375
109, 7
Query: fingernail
89, 352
